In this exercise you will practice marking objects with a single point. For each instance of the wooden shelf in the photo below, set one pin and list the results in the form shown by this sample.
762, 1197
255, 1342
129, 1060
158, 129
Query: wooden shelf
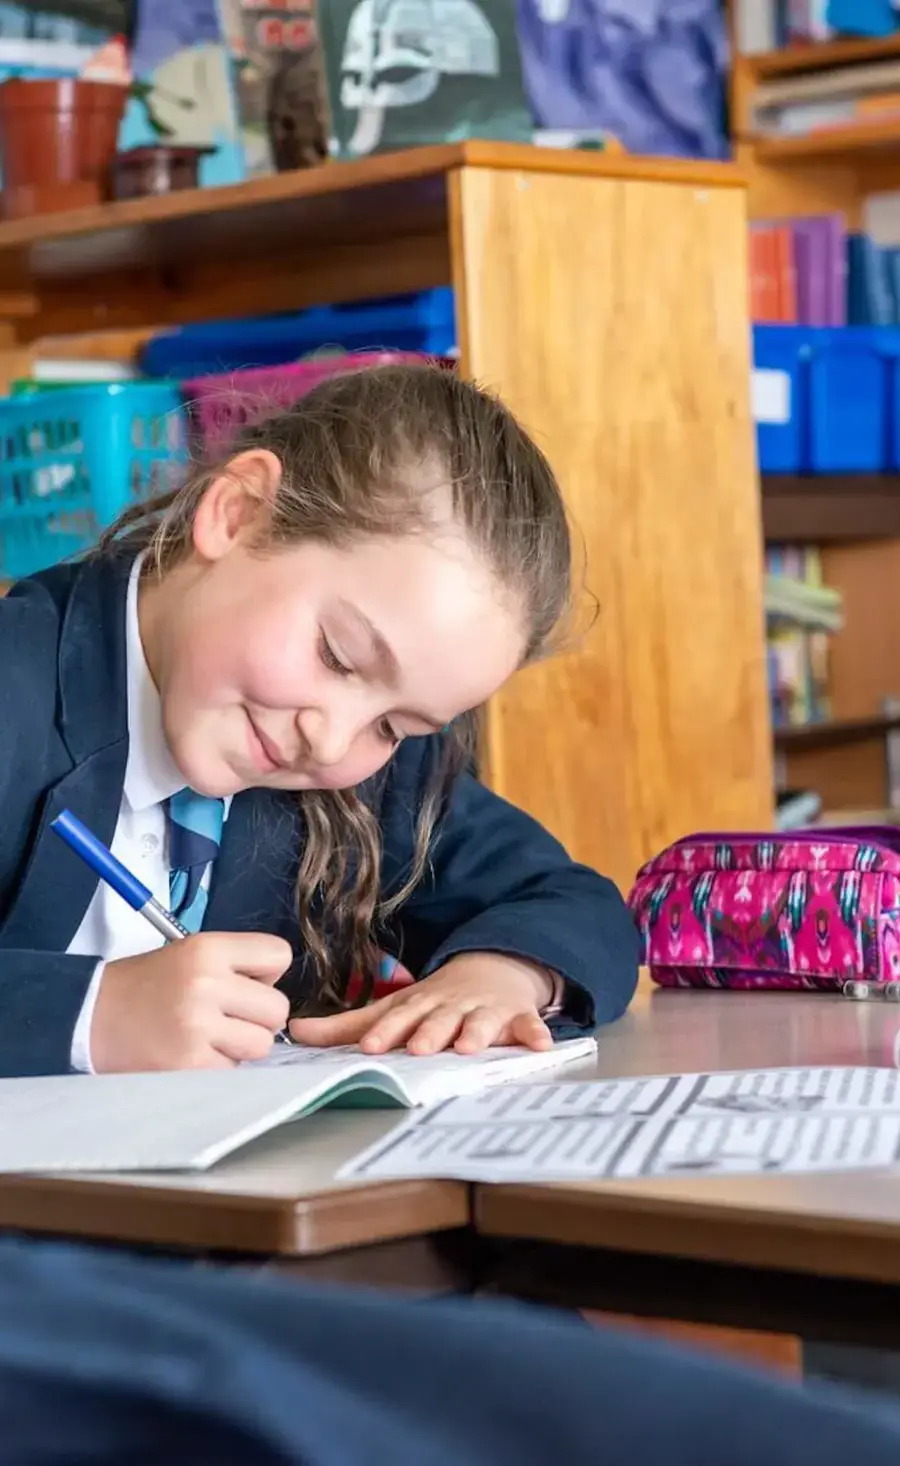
830, 143
835, 734
823, 509
793, 59
354, 201
341, 231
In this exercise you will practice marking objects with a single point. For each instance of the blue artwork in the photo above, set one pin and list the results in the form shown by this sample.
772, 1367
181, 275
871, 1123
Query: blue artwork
179, 48
164, 29
651, 73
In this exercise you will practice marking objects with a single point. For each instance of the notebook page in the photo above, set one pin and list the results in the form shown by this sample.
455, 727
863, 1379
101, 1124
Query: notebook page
760, 1121
426, 1080
148, 1122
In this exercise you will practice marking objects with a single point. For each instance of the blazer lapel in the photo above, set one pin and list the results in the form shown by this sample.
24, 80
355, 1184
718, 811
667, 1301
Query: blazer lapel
57, 887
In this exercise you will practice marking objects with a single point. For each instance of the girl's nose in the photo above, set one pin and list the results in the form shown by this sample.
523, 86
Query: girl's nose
328, 737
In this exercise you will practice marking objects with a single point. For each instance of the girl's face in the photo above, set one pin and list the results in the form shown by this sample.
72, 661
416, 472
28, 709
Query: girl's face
304, 668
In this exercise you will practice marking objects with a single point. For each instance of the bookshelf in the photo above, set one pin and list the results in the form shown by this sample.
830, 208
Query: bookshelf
565, 304
838, 509
855, 519
836, 142
797, 59
838, 733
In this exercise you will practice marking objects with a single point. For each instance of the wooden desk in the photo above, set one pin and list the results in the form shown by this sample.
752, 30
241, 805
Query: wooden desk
815, 1255
277, 1201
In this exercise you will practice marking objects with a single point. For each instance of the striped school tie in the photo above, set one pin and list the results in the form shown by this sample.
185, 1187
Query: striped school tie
195, 833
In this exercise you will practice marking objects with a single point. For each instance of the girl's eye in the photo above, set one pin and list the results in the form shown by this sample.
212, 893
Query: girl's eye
329, 660
386, 732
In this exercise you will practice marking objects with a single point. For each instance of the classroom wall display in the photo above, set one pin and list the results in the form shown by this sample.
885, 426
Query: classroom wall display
649, 73
180, 52
281, 92
405, 72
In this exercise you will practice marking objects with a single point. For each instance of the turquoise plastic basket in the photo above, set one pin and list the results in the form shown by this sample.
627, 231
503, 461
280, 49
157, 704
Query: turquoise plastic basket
72, 459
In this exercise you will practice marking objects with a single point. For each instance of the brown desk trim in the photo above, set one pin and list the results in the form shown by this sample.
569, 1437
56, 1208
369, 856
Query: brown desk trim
629, 1222
194, 1220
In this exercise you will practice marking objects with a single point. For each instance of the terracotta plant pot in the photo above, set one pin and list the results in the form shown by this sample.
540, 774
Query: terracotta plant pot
157, 168
57, 143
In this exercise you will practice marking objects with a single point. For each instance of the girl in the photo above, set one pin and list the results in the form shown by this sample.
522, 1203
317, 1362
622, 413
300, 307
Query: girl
257, 691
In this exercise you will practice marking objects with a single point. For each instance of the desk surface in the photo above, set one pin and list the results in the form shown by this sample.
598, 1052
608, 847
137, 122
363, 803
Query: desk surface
843, 1225
278, 1197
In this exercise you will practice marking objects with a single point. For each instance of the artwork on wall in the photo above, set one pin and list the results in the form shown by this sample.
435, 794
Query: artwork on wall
181, 55
280, 83
403, 72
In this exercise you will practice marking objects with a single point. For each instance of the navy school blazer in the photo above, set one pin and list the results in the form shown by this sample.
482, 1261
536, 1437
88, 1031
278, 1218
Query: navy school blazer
498, 881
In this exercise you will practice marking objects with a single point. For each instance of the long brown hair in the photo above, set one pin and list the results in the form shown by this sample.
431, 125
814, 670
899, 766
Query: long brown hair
359, 455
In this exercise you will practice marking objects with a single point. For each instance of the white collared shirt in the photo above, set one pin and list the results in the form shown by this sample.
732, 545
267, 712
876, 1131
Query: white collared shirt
110, 928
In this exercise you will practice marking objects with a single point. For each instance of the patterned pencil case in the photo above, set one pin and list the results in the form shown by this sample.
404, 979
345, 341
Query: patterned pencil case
811, 911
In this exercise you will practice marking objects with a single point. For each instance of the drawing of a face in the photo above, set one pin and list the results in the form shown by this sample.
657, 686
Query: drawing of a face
396, 51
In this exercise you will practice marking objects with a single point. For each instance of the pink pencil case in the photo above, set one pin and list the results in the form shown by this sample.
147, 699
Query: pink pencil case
818, 910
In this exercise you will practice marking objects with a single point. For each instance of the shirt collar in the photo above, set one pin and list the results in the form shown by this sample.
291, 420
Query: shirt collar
151, 774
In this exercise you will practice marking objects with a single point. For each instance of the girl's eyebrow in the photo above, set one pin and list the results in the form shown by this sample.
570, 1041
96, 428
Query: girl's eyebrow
388, 668
387, 662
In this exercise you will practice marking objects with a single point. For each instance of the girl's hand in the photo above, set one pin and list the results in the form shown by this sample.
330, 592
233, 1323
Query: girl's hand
205, 1003
477, 1001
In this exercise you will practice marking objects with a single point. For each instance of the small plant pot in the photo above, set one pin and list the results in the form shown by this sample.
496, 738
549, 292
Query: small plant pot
57, 143
157, 168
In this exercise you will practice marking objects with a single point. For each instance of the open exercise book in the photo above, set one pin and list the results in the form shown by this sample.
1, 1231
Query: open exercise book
189, 1120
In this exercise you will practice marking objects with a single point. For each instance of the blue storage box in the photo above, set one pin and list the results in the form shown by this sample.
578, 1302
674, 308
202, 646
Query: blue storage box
423, 322
780, 396
72, 459
850, 373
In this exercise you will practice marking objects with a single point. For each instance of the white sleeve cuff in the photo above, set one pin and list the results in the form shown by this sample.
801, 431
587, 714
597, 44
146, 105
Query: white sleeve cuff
81, 1038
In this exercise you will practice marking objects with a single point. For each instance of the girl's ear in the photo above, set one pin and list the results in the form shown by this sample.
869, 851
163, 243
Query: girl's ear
237, 503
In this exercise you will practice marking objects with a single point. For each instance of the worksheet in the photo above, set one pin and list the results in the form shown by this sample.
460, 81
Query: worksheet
765, 1121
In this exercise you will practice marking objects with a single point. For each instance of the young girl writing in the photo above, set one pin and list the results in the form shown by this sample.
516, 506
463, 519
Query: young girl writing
256, 692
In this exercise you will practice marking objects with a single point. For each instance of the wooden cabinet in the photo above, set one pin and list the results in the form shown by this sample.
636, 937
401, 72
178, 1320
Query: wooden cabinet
606, 299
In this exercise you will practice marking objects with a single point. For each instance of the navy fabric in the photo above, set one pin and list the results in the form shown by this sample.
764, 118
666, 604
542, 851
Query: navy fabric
107, 1359
497, 881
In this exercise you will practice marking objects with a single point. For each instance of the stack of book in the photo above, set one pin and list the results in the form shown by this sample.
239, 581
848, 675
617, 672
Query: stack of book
799, 271
768, 25
811, 272
839, 97
802, 613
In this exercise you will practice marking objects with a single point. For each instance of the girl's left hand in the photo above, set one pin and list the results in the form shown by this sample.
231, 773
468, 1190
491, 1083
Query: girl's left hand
478, 1000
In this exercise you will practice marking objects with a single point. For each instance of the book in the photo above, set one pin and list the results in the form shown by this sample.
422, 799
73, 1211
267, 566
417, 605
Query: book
785, 273
765, 288
834, 231
188, 1120
815, 297
797, 809
755, 26
811, 607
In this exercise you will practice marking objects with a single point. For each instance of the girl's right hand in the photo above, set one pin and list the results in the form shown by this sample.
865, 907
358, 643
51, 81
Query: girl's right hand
207, 1002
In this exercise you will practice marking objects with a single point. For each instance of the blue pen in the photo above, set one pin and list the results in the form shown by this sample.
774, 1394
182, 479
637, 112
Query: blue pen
104, 864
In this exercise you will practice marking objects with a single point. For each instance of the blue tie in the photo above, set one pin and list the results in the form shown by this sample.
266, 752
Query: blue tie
195, 833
